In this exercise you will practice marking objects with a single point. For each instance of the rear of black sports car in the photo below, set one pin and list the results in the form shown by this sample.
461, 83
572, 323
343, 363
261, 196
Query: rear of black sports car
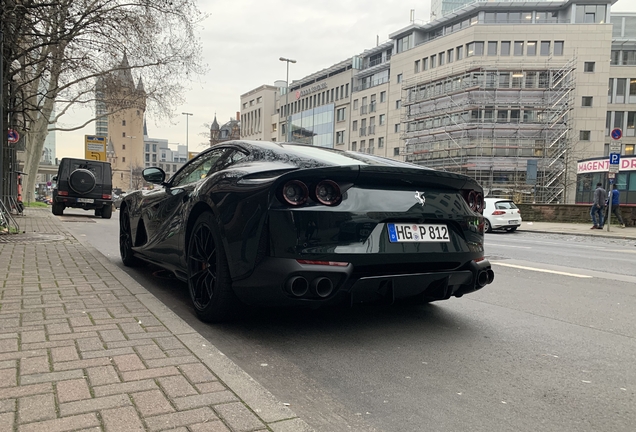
365, 233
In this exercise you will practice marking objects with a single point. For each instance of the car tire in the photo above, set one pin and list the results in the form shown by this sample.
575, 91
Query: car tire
511, 229
209, 282
57, 209
107, 211
487, 226
125, 241
82, 181
98, 212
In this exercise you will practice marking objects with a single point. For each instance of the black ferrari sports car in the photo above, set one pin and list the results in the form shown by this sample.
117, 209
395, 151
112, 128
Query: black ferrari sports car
286, 224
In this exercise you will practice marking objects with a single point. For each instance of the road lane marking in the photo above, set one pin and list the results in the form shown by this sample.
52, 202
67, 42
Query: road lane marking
540, 270
512, 246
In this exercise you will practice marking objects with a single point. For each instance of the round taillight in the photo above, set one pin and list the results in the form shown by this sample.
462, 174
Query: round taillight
328, 193
472, 200
479, 201
295, 193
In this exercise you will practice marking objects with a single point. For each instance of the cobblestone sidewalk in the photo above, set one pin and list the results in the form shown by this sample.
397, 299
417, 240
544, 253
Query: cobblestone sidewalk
84, 347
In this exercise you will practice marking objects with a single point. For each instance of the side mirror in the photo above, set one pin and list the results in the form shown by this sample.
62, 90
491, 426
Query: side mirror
54, 178
154, 175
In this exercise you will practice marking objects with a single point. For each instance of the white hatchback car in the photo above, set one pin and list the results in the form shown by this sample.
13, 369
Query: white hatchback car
501, 214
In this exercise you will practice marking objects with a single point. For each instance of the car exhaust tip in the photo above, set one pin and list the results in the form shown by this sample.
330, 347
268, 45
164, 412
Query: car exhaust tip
297, 286
491, 275
482, 278
322, 287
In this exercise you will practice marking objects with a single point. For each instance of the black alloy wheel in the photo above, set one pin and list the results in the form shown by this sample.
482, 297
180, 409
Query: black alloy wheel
209, 280
126, 241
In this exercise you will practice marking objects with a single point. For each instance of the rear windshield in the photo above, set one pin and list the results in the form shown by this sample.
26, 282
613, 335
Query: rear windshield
337, 157
505, 205
95, 169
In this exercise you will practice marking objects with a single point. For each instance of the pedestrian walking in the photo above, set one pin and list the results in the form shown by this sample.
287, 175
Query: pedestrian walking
615, 195
596, 212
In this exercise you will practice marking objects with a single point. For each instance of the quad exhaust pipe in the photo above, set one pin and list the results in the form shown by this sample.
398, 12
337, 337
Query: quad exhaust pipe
485, 277
298, 286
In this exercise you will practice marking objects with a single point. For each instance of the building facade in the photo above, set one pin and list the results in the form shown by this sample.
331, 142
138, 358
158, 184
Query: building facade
510, 93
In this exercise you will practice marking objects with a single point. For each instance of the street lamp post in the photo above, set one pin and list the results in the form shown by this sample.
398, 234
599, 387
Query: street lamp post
187, 150
288, 61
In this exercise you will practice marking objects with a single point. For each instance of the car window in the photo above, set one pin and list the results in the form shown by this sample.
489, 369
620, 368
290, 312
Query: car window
96, 169
207, 164
505, 205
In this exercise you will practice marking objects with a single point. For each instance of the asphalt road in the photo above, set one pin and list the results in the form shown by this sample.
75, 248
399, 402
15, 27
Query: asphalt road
548, 346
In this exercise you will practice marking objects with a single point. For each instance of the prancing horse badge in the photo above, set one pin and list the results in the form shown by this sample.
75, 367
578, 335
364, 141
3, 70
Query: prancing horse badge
420, 197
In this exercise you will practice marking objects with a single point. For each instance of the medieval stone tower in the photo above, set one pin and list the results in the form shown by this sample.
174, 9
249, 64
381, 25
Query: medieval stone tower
126, 105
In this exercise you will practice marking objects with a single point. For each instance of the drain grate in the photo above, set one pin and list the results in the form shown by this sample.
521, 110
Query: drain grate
30, 238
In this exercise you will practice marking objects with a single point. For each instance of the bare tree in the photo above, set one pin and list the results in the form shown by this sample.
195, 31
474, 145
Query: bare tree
58, 51
137, 177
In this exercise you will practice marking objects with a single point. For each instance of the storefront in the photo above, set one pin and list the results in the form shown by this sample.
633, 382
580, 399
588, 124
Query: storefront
589, 172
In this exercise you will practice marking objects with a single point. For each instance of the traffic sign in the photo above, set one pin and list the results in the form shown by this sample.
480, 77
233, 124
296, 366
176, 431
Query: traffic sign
615, 146
617, 133
13, 136
615, 158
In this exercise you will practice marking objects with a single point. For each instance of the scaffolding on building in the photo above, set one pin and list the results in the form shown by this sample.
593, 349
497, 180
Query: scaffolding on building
495, 123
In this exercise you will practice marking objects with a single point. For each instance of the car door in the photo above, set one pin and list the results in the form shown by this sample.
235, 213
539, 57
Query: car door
163, 209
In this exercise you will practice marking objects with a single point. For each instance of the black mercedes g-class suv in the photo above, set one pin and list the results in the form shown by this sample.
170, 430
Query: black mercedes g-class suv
83, 183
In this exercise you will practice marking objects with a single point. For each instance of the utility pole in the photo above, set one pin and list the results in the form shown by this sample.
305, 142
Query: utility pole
187, 148
287, 125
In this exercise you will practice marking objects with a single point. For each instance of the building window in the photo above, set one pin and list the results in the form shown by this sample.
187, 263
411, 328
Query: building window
382, 96
396, 151
147, 157
259, 99
450, 55
123, 146
425, 64
154, 158
532, 48
382, 119
629, 58
340, 114
123, 134
433, 61
588, 66
441, 58
460, 52
505, 48
545, 48
416, 68
492, 48
584, 135
615, 57
558, 48
381, 142
354, 145
396, 128
355, 104
355, 125
154, 148
340, 137
518, 48
123, 159
587, 101
399, 78
398, 104
123, 122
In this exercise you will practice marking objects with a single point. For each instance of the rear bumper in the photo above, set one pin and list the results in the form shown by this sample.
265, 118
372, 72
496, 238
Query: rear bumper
73, 203
504, 223
285, 282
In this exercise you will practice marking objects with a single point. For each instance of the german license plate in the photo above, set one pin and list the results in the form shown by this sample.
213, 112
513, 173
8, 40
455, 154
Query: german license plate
418, 233
513, 222
86, 200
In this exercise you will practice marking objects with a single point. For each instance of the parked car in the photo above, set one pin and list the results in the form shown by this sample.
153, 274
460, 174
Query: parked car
501, 214
85, 184
293, 225
117, 199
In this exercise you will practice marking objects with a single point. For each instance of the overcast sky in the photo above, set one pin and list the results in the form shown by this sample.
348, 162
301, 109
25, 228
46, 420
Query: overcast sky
243, 40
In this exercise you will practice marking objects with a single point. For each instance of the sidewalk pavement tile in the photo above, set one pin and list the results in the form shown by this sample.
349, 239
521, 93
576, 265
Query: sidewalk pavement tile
81, 341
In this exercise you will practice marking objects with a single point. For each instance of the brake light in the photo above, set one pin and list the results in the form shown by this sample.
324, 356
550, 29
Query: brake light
498, 212
327, 192
106, 196
295, 193
474, 199
63, 193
